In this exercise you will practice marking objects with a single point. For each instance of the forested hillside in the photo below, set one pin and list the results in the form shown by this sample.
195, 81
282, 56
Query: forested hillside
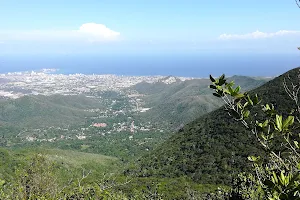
183, 101
214, 147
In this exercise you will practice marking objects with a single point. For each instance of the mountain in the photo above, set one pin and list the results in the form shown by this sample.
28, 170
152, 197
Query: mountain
179, 102
213, 147
39, 111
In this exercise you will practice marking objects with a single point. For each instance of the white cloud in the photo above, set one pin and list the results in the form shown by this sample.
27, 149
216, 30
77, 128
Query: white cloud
91, 32
98, 31
256, 35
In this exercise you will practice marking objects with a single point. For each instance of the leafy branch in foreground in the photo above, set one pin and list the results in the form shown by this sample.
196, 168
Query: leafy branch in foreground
276, 177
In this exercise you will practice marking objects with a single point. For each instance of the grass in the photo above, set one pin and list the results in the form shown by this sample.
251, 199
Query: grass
77, 159
70, 163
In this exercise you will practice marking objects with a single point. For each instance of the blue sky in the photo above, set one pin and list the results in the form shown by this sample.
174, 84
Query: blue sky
143, 26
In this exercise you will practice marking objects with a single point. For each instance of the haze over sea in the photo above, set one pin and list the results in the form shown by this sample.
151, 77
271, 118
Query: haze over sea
188, 65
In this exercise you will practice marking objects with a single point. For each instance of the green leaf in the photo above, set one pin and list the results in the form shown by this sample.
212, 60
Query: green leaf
274, 178
230, 90
239, 96
253, 158
216, 94
213, 87
259, 124
279, 123
249, 100
288, 122
246, 113
267, 107
255, 100
264, 137
265, 124
237, 89
239, 105
222, 81
229, 84
246, 104
222, 77
220, 92
283, 179
219, 88
212, 79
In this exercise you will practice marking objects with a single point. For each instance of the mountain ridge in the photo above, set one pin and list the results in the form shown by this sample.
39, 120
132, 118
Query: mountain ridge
180, 102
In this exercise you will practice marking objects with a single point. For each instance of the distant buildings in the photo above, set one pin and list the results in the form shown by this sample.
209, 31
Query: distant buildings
44, 83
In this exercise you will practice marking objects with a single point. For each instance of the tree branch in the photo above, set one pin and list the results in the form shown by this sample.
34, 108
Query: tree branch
298, 3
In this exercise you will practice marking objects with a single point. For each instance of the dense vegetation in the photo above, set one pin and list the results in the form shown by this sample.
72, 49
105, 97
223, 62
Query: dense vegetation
184, 101
214, 147
189, 163
121, 145
36, 173
276, 176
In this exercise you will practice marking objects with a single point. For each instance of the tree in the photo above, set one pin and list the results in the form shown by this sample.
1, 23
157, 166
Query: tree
276, 177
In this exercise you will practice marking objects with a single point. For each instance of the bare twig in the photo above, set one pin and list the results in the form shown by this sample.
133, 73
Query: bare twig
84, 176
298, 3
109, 182
292, 91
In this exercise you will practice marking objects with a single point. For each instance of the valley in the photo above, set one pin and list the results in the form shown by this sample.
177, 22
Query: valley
149, 100
82, 122
113, 115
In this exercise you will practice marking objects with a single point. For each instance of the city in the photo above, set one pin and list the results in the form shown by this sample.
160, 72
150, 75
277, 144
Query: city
120, 113
44, 82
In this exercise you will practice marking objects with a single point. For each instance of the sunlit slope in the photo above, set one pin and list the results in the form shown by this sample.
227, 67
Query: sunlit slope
38, 111
69, 162
183, 101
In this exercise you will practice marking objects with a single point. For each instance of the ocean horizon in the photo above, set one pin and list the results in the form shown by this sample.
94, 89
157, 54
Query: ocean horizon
149, 65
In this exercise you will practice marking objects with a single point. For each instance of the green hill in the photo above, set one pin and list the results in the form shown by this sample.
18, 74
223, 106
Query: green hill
51, 169
39, 111
214, 146
183, 101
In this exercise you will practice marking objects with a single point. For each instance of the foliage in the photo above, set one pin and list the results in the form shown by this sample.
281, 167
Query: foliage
215, 147
210, 160
276, 177
183, 101
39, 178
41, 175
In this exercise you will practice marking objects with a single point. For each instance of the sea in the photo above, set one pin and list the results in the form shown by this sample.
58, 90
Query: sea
185, 65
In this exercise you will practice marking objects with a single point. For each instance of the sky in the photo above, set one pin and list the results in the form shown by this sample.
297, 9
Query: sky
148, 26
